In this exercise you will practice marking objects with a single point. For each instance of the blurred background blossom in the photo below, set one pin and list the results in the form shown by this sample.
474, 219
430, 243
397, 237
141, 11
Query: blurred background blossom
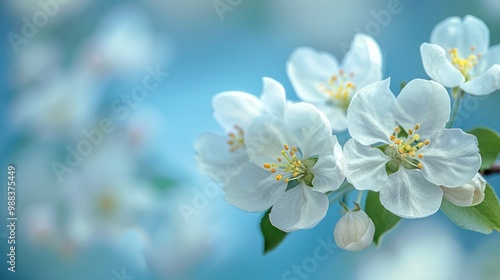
120, 209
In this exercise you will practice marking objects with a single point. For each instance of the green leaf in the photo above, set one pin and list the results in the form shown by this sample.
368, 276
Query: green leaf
163, 183
272, 235
489, 146
484, 217
381, 217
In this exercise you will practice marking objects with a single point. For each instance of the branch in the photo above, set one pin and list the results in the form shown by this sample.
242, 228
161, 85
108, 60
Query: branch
494, 169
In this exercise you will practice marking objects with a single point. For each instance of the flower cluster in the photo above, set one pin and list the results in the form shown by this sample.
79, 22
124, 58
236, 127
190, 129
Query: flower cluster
284, 157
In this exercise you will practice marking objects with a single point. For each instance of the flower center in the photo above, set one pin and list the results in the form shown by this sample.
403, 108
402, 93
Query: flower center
339, 89
405, 147
236, 139
464, 65
291, 168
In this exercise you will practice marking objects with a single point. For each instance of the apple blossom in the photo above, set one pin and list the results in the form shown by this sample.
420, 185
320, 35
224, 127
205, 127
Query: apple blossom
459, 56
401, 148
319, 79
294, 162
220, 156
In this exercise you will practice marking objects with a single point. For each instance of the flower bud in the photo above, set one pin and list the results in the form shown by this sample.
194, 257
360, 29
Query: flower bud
354, 231
467, 195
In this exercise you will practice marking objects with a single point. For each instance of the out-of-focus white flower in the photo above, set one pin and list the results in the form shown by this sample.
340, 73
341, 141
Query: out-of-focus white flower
459, 55
298, 150
354, 231
220, 156
59, 107
469, 194
124, 42
319, 79
407, 137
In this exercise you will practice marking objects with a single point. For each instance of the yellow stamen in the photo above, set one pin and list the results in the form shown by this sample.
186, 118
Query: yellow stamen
267, 165
420, 165
279, 177
420, 155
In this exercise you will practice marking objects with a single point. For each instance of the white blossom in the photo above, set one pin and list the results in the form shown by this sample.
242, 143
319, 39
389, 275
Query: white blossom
401, 148
459, 54
319, 79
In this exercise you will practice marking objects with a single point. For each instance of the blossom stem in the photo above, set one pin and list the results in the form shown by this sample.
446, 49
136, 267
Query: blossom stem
458, 94
359, 197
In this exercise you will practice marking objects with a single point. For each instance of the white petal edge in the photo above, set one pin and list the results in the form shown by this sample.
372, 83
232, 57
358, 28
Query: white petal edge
409, 195
310, 130
424, 102
484, 84
236, 108
438, 67
463, 33
364, 60
253, 189
273, 97
369, 118
327, 174
364, 166
214, 158
307, 69
451, 159
265, 138
299, 208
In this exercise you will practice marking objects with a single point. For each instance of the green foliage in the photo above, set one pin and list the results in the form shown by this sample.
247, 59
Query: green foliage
163, 183
489, 146
272, 235
381, 217
484, 217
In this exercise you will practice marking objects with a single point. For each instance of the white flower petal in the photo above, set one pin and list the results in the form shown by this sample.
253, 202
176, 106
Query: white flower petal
236, 108
424, 102
365, 166
364, 60
409, 195
214, 158
336, 115
438, 67
273, 97
299, 208
310, 128
265, 138
253, 189
307, 69
354, 231
452, 158
469, 194
327, 174
485, 83
462, 34
369, 117
489, 59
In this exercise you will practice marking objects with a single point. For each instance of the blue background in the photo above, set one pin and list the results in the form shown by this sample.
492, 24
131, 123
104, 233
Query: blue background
205, 54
